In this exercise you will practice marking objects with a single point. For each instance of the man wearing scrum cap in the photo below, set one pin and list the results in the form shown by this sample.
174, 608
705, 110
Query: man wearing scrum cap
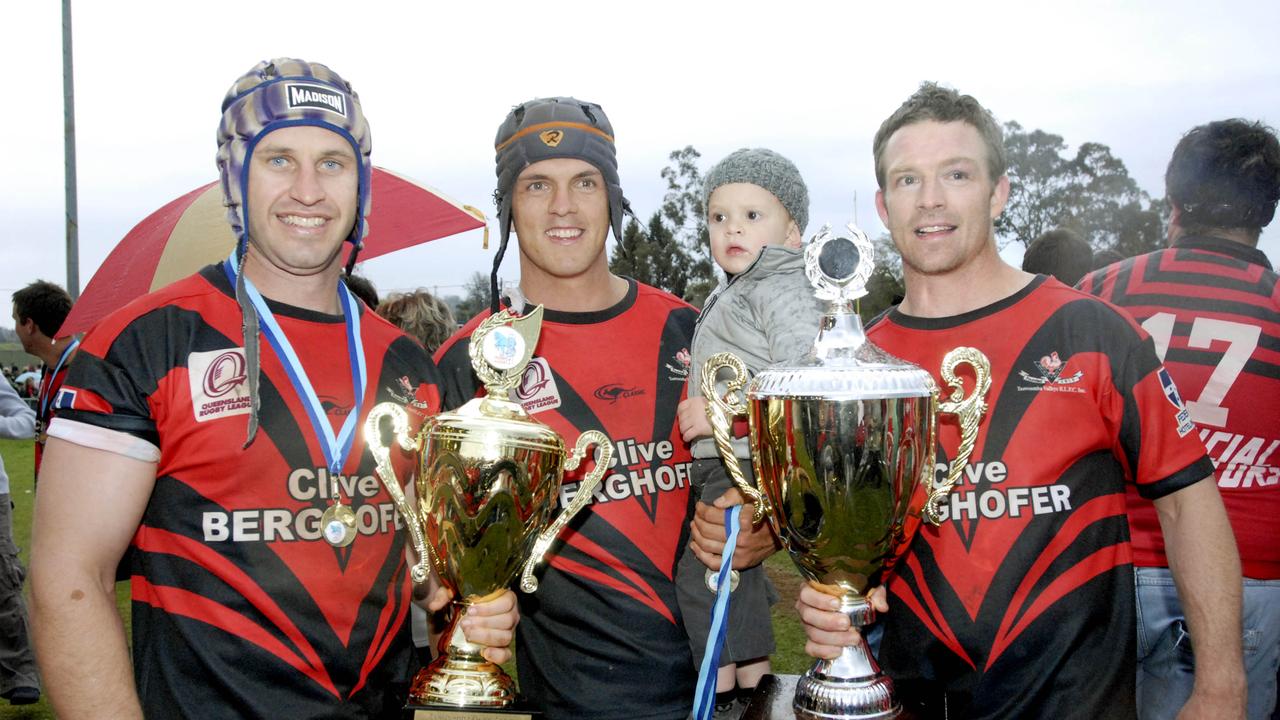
268, 577
602, 636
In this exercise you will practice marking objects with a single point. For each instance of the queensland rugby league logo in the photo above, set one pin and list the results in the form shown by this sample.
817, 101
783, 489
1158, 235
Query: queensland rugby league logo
219, 383
537, 389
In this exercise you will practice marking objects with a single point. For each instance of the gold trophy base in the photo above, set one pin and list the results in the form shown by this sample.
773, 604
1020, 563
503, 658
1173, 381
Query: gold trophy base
466, 683
463, 689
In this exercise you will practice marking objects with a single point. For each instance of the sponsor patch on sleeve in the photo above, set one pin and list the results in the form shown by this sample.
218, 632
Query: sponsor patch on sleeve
1183, 415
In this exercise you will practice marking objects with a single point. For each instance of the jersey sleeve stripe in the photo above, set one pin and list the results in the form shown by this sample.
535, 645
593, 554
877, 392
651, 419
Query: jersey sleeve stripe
100, 438
1201, 469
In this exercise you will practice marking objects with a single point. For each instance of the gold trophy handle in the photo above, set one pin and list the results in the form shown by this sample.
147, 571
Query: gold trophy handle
969, 410
586, 488
382, 455
719, 411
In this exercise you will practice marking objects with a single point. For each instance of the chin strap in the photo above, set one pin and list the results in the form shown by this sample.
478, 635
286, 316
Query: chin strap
252, 347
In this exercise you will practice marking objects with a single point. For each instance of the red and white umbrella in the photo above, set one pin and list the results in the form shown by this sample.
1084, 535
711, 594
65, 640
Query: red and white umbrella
192, 231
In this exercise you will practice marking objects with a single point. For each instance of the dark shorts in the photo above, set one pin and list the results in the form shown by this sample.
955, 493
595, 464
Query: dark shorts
750, 626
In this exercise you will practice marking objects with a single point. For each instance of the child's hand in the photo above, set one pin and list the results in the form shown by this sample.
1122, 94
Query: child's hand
691, 414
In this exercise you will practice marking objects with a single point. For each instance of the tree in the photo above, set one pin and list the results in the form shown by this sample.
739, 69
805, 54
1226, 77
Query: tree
1040, 185
1090, 193
672, 251
1112, 212
682, 208
885, 287
476, 297
652, 256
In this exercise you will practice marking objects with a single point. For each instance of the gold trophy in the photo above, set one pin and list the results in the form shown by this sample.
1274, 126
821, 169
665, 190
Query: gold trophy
843, 443
488, 480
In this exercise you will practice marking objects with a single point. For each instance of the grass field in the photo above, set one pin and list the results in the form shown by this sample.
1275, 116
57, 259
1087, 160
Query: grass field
17, 455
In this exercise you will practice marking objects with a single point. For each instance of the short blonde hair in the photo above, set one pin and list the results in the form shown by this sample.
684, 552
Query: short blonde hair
423, 316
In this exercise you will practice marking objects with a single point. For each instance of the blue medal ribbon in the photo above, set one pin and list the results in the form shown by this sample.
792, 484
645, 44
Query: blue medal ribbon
46, 397
335, 448
704, 697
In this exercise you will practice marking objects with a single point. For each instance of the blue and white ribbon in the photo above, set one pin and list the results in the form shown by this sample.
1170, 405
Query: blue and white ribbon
704, 698
335, 448
46, 397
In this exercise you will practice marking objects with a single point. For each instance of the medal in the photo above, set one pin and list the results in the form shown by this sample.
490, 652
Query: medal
712, 580
339, 525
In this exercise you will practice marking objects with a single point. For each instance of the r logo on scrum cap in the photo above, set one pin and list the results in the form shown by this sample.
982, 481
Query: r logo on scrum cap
302, 95
551, 138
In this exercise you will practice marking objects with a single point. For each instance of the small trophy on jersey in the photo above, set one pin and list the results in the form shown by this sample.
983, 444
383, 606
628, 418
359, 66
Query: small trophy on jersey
843, 443
487, 484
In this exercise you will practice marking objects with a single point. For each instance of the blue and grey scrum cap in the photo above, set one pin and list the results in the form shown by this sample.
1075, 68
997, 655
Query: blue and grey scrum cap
274, 94
547, 128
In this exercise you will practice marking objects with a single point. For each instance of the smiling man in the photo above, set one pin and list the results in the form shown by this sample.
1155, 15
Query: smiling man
268, 577
1021, 603
602, 636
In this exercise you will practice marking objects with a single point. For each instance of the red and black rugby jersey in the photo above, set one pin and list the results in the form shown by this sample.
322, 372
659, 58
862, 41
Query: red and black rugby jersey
1023, 597
1213, 308
602, 636
240, 607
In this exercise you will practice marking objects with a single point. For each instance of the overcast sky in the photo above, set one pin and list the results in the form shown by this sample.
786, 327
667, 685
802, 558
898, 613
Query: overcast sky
810, 80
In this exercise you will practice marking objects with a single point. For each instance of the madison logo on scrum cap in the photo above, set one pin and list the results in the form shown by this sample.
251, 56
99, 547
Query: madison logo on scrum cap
301, 95
219, 386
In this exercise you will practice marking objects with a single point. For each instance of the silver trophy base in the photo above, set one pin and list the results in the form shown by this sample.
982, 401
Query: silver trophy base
850, 686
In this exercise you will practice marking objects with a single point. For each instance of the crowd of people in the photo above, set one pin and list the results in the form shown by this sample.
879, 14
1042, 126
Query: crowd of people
203, 443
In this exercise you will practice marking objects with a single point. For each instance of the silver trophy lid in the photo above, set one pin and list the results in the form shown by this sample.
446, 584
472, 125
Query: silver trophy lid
842, 364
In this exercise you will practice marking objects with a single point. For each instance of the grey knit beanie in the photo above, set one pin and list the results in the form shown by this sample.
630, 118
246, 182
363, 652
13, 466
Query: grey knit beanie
767, 169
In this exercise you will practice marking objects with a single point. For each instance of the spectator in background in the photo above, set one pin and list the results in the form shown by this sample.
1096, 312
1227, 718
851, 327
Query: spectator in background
19, 681
1103, 258
363, 288
1060, 253
39, 310
27, 382
421, 315
1211, 302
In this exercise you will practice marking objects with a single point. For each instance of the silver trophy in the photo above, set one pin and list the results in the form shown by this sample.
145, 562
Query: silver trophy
843, 445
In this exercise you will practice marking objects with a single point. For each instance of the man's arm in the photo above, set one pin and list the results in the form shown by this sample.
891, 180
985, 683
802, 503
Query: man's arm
1206, 569
17, 419
88, 507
